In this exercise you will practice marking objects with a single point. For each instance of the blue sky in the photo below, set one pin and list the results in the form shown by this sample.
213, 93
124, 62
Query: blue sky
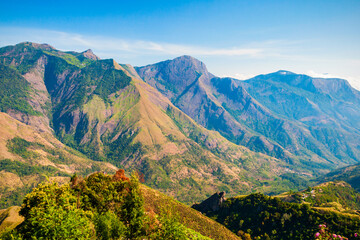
233, 38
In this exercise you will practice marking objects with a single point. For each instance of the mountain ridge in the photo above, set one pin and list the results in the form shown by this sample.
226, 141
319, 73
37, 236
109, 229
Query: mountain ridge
175, 122
104, 110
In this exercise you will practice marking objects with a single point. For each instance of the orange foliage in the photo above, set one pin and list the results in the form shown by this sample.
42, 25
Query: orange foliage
153, 221
120, 175
141, 176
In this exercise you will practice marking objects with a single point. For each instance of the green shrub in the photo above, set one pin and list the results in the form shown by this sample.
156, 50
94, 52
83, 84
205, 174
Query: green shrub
51, 212
109, 226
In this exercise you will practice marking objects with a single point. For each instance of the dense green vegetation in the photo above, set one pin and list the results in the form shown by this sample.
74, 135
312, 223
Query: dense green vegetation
98, 207
121, 148
23, 56
338, 195
265, 217
102, 75
23, 169
108, 81
19, 147
14, 197
71, 58
350, 174
14, 91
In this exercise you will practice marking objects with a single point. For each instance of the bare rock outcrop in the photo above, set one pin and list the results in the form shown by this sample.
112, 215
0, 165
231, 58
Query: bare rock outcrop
212, 204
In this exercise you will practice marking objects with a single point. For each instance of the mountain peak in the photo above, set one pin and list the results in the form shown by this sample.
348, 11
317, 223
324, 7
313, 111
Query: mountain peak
173, 77
284, 72
89, 54
186, 57
188, 62
42, 46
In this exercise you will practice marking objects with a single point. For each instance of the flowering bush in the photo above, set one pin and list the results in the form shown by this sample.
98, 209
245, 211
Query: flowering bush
324, 234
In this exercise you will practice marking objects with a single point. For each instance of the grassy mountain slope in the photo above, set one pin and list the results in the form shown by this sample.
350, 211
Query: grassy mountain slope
350, 174
337, 196
156, 201
28, 156
10, 218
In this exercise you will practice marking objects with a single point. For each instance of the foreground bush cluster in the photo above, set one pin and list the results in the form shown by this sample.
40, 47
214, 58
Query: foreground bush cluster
100, 206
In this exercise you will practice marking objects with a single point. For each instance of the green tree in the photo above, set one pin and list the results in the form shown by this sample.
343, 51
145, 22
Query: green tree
170, 228
133, 211
108, 226
50, 213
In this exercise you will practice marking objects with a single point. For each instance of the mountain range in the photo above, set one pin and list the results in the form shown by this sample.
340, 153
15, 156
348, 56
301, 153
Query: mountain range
298, 119
177, 124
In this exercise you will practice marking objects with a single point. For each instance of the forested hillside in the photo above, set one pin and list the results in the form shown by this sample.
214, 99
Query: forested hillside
262, 217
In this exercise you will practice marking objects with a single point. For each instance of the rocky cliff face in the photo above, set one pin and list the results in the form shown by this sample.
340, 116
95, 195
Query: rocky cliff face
90, 55
173, 78
212, 204
37, 62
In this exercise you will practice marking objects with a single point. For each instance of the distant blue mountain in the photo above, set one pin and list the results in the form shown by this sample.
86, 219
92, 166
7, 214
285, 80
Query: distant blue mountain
312, 123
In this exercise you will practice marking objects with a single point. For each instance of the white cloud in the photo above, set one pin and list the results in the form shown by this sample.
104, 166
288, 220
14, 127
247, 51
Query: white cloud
108, 47
256, 57
321, 75
240, 76
354, 81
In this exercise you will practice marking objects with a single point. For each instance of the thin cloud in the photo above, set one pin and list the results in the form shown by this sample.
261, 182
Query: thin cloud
282, 53
105, 45
240, 76
354, 82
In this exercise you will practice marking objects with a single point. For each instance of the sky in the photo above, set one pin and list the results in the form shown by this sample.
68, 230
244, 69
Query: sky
240, 39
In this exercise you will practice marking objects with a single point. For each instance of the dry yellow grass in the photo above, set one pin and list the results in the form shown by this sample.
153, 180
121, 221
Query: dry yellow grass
10, 180
10, 218
158, 203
